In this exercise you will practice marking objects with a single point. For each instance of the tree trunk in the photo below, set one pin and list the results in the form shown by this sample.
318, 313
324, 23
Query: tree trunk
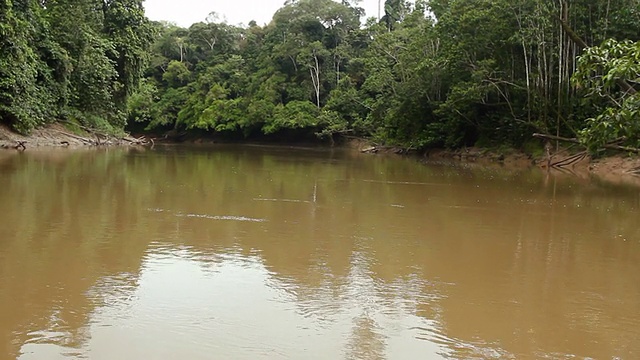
578, 41
315, 78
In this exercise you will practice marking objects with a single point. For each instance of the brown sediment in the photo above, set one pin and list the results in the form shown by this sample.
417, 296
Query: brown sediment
56, 135
614, 168
617, 169
49, 136
512, 159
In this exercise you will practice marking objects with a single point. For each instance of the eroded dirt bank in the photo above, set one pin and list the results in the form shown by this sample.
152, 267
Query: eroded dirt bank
56, 135
619, 168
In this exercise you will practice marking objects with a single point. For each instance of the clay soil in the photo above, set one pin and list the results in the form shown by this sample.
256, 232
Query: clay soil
49, 136
617, 168
56, 135
614, 168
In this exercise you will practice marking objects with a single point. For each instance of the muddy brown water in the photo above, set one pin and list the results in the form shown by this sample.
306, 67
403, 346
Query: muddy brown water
246, 252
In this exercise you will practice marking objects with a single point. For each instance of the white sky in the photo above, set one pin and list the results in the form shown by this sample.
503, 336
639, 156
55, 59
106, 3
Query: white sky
186, 12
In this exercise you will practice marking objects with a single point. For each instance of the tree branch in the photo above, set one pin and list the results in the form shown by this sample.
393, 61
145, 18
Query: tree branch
582, 44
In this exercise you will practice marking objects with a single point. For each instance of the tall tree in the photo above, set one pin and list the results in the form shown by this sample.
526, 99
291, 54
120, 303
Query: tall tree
130, 33
27, 83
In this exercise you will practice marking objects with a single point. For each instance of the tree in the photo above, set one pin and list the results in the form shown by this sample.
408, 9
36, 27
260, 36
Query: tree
131, 34
313, 58
76, 60
394, 12
27, 85
427, 74
601, 69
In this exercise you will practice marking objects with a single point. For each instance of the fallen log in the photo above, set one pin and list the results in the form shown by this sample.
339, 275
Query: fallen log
634, 171
571, 160
87, 129
83, 139
611, 145
554, 137
621, 148
137, 141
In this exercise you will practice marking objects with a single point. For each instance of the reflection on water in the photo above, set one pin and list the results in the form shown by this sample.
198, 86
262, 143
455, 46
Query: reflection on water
281, 253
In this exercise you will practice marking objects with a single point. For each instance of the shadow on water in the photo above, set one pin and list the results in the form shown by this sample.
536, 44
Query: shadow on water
273, 252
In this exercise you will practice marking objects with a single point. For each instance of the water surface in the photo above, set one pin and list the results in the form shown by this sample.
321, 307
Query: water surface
230, 252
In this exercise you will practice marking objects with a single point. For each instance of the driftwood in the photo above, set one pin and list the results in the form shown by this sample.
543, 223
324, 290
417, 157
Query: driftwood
611, 145
559, 138
107, 139
20, 145
83, 139
87, 129
621, 148
568, 161
571, 160
634, 171
102, 138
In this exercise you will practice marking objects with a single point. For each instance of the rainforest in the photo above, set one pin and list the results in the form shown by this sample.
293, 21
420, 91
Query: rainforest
426, 74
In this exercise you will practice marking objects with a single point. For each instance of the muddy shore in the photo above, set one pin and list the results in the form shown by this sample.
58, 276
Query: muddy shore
618, 168
56, 135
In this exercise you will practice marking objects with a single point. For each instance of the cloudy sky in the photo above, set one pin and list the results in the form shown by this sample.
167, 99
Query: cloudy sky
187, 12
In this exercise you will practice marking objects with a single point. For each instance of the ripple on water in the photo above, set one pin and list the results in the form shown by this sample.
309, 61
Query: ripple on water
209, 217
223, 217
459, 349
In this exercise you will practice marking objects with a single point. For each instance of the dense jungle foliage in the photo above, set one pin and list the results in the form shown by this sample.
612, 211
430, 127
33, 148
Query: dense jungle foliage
429, 73
76, 60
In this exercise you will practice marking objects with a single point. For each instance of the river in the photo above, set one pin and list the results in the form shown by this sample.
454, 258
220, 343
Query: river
250, 252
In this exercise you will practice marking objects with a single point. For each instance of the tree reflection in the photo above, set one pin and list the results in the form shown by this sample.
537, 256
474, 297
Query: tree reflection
365, 341
465, 261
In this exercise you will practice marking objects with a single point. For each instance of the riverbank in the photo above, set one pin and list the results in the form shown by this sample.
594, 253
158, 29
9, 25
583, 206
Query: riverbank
57, 135
614, 168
